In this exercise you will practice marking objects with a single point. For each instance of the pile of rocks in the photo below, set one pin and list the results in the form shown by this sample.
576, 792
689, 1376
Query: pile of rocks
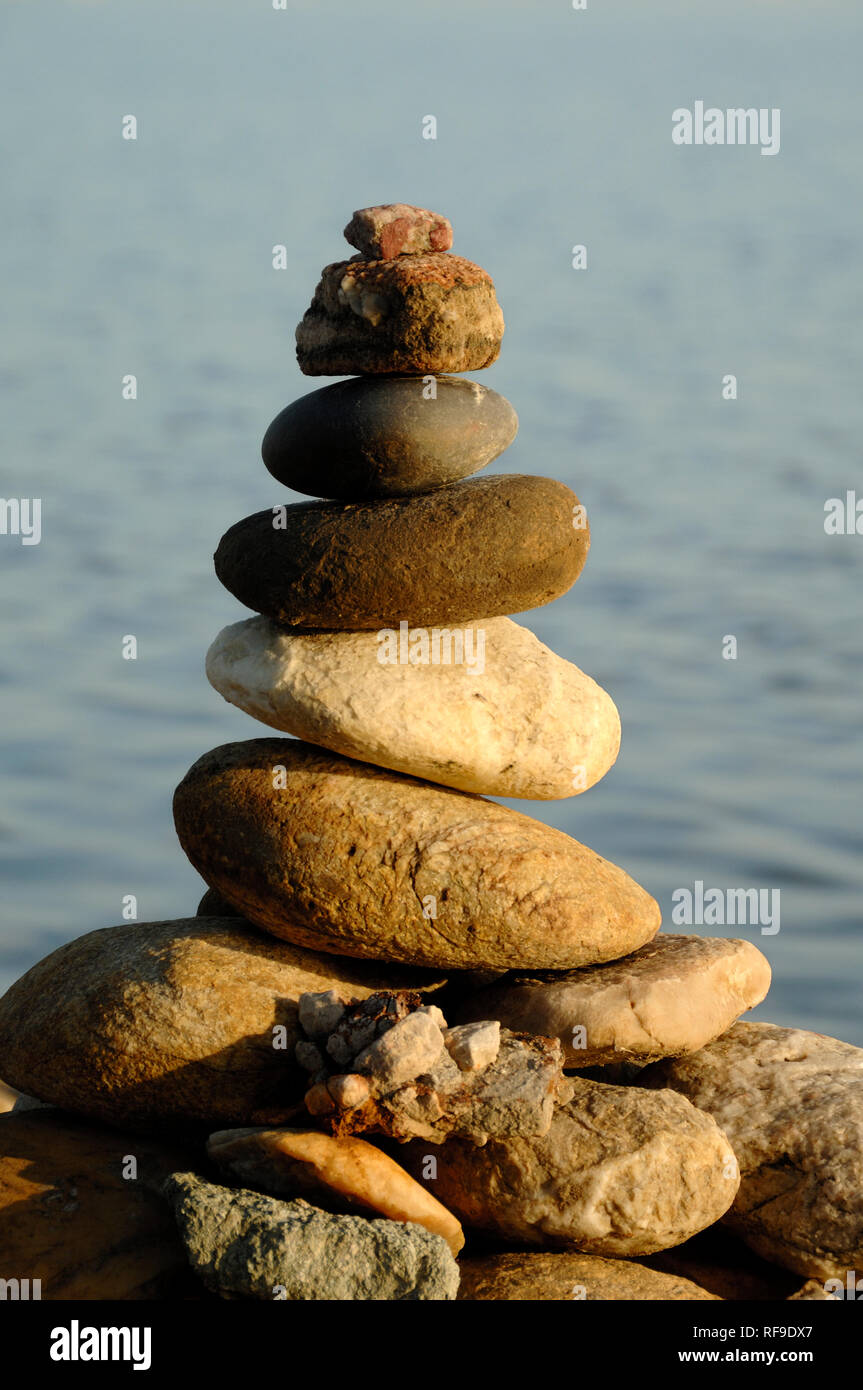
382, 952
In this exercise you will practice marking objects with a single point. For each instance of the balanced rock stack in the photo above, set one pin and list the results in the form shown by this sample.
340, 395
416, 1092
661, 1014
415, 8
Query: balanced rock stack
404, 1011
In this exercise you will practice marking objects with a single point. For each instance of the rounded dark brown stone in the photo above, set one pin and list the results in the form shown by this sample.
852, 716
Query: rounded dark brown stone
481, 548
387, 436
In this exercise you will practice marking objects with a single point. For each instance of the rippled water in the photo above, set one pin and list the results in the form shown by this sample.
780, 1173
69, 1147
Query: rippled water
259, 127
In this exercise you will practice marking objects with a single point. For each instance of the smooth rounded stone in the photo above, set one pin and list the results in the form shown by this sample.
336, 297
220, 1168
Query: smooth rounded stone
670, 997
791, 1103
612, 1176
488, 546
81, 1211
540, 1277
340, 856
245, 1244
339, 1174
168, 1023
362, 439
397, 229
418, 315
490, 710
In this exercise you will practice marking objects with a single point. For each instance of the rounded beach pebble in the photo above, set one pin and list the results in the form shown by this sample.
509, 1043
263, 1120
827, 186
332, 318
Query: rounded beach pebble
670, 997
613, 1175
387, 437
485, 709
340, 856
481, 548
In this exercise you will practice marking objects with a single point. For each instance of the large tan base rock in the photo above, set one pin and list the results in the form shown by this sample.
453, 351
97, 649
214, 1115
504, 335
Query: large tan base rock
613, 1176
791, 1103
339, 856
169, 1023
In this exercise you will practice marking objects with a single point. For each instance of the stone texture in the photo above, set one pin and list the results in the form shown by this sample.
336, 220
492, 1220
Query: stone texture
414, 314
320, 1013
540, 1277
70, 1218
411, 1087
244, 1244
474, 1046
168, 1023
337, 1174
8, 1098
397, 229
791, 1103
367, 438
488, 546
347, 1092
355, 860
670, 997
407, 1050
492, 711
613, 1175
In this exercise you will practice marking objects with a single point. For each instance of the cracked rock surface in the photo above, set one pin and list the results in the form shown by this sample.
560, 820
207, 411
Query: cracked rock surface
791, 1103
672, 996
247, 1245
399, 1071
613, 1176
468, 726
417, 314
353, 859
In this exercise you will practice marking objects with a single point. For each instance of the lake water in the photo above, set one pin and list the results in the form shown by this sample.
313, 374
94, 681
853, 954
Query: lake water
258, 127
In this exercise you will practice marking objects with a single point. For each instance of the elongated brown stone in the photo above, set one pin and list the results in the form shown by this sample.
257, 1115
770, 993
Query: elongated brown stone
485, 547
341, 856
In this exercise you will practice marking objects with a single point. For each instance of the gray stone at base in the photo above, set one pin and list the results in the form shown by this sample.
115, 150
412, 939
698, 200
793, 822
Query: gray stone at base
244, 1244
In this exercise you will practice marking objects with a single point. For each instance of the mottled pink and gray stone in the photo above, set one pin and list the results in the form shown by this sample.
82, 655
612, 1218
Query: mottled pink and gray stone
397, 229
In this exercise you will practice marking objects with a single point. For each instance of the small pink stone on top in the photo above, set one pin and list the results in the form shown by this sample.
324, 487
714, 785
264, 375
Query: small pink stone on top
396, 229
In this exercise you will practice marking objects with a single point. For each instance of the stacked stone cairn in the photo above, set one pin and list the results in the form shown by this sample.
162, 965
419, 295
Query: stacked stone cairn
405, 1012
